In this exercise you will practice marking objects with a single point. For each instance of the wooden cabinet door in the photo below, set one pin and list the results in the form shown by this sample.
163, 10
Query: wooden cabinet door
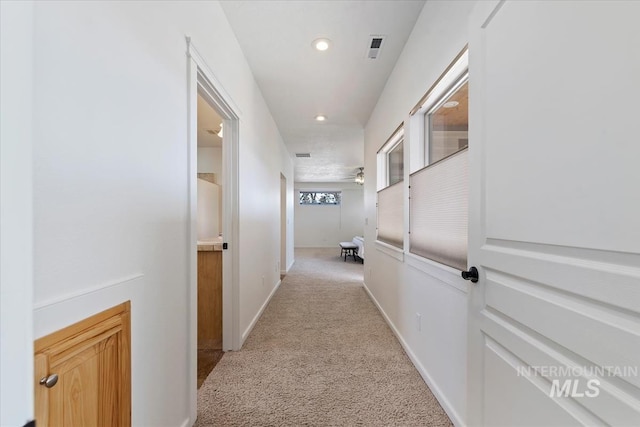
92, 362
210, 300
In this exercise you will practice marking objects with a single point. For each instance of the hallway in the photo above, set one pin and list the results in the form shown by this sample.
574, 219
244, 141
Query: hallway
321, 354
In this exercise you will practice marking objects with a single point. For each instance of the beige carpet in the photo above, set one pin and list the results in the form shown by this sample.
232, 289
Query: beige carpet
321, 355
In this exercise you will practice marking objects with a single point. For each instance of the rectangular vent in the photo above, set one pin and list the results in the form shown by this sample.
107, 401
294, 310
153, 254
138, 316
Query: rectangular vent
303, 155
375, 45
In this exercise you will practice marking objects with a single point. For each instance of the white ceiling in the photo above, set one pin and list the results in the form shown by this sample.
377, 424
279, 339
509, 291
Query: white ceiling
299, 82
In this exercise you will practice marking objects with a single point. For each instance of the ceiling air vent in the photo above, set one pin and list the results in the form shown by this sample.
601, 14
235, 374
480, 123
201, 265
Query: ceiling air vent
299, 155
375, 44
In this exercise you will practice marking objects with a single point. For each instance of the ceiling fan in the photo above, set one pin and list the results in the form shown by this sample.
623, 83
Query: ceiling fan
357, 176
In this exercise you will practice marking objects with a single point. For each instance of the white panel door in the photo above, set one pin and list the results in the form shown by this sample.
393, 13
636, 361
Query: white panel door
554, 321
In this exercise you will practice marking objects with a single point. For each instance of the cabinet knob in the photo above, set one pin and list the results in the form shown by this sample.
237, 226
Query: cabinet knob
49, 381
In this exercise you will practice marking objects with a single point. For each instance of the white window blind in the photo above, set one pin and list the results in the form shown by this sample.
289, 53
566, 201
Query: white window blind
438, 211
390, 213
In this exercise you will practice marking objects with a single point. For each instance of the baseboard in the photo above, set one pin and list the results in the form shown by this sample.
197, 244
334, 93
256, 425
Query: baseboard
247, 331
455, 417
187, 423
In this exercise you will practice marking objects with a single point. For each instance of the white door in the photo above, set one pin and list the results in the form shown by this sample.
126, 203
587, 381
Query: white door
554, 321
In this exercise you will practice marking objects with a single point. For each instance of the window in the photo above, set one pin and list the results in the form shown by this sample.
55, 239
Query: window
447, 124
438, 208
438, 182
391, 160
391, 215
395, 163
391, 191
320, 197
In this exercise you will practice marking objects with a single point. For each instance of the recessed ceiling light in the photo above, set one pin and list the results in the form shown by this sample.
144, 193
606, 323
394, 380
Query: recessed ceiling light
321, 44
450, 104
321, 118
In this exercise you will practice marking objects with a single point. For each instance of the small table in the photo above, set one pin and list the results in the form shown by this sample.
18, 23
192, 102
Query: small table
348, 248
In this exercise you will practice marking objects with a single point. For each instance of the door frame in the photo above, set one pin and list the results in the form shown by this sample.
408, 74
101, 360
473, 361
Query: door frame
283, 224
201, 80
16, 212
479, 19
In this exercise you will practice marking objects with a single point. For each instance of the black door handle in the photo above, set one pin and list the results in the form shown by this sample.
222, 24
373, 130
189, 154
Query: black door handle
472, 274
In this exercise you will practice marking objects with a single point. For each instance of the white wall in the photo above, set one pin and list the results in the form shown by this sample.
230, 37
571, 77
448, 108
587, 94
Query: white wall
208, 210
16, 237
210, 160
326, 226
111, 178
401, 287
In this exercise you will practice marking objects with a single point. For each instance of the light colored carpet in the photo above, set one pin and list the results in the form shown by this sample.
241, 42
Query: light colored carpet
321, 355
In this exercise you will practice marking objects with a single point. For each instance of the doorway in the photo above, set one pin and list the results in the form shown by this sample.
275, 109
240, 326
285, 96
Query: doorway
210, 133
202, 83
283, 226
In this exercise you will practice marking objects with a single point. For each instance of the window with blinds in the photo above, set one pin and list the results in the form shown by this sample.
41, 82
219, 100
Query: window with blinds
390, 215
390, 225
438, 184
438, 211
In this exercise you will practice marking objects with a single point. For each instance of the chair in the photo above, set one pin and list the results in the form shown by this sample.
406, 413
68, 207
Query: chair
359, 241
348, 248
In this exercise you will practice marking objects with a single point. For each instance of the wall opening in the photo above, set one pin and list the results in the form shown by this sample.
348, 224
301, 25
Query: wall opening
203, 84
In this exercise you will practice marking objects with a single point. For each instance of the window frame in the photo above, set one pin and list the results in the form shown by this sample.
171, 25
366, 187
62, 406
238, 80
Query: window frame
437, 103
454, 77
399, 143
396, 138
